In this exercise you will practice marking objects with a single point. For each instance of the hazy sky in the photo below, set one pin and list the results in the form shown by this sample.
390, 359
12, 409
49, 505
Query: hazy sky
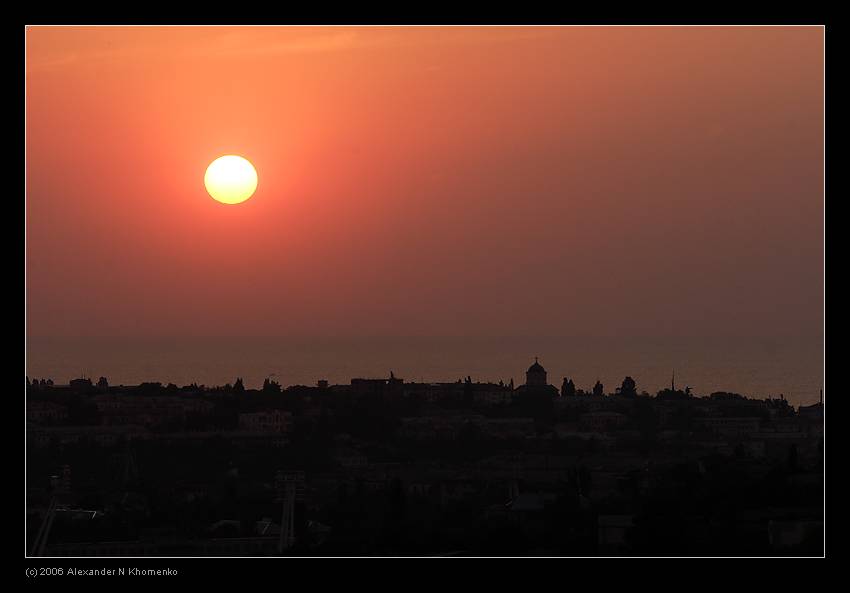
426, 181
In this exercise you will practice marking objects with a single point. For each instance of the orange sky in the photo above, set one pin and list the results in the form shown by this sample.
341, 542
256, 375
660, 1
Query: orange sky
426, 181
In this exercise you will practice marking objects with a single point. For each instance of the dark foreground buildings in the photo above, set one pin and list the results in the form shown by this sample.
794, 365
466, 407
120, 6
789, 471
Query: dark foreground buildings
387, 467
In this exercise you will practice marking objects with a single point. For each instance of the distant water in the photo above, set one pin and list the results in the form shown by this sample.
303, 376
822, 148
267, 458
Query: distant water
750, 367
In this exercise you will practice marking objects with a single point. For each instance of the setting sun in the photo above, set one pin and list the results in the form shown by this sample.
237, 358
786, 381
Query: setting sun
231, 179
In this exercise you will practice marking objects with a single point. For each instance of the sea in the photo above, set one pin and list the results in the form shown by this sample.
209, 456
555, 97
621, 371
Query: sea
754, 367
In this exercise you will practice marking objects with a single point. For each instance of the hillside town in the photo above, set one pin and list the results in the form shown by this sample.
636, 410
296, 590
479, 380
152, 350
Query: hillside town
385, 466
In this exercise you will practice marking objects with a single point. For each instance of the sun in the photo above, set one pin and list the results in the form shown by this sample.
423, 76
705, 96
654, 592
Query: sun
231, 179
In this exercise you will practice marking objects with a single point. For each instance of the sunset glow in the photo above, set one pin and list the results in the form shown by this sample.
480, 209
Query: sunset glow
505, 291
415, 178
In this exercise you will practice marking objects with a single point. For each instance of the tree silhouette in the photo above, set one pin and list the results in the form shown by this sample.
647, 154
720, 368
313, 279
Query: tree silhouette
271, 386
568, 388
628, 388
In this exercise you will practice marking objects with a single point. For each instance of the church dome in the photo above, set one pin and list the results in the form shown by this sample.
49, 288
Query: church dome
536, 375
536, 368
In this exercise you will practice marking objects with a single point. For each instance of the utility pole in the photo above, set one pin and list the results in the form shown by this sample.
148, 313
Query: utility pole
43, 534
287, 520
287, 486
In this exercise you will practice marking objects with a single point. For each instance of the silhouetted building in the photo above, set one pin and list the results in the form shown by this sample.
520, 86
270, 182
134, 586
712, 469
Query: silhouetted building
602, 421
380, 388
277, 421
731, 427
536, 391
490, 394
46, 412
535, 376
80, 384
